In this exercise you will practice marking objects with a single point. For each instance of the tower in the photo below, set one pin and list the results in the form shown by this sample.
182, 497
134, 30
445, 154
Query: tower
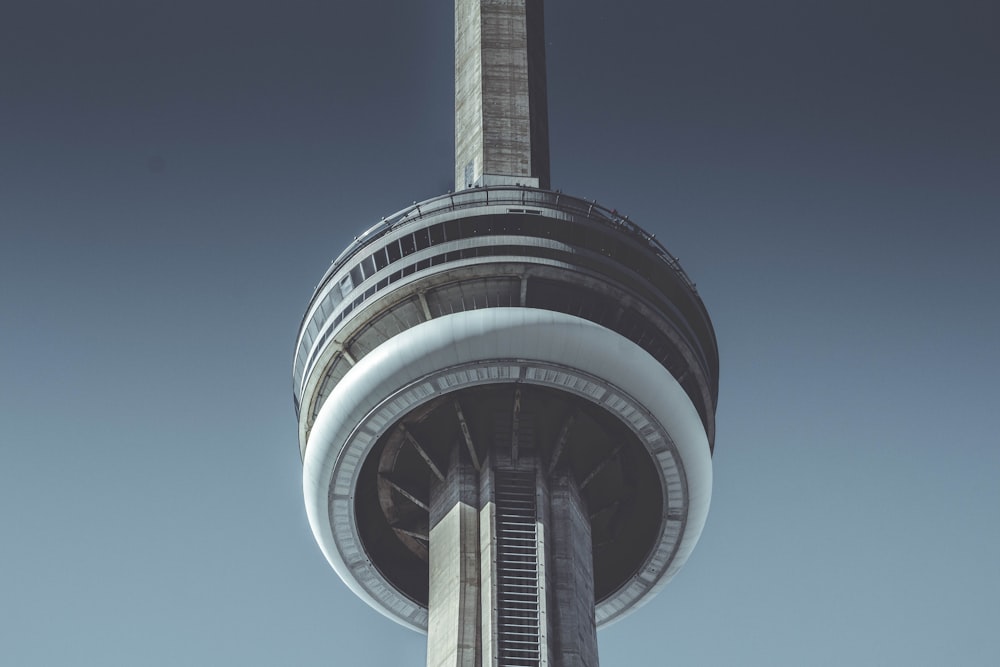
506, 395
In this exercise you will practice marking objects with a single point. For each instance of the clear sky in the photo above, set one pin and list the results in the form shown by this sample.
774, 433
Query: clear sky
176, 176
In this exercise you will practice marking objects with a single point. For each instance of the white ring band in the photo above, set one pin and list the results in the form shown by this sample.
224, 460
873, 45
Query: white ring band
499, 345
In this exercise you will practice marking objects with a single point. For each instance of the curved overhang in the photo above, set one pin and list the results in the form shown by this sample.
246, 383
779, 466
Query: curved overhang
505, 345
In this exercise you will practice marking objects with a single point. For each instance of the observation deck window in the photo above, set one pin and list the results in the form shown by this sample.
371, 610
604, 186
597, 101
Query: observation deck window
421, 239
407, 244
368, 266
356, 276
346, 285
436, 233
452, 230
393, 250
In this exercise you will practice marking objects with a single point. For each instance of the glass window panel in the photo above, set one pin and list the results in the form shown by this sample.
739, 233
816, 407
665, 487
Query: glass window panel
324, 309
368, 266
393, 249
310, 334
407, 244
420, 237
436, 233
356, 275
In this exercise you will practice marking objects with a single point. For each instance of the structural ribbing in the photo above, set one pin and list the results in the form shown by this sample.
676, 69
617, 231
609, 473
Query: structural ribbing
501, 111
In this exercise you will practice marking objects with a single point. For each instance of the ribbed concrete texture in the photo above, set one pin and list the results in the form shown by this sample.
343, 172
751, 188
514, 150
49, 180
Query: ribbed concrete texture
453, 609
501, 112
571, 575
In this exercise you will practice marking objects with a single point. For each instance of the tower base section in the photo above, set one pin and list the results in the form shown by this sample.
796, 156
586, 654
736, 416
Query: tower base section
511, 565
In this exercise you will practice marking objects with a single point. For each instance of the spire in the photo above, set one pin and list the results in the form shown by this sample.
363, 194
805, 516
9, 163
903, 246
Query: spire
501, 112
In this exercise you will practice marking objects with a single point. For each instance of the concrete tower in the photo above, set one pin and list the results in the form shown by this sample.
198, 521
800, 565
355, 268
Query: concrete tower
506, 395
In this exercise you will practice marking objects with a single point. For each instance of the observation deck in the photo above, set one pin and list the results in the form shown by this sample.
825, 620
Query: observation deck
505, 314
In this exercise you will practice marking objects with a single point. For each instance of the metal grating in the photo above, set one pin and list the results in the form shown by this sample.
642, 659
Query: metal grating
517, 570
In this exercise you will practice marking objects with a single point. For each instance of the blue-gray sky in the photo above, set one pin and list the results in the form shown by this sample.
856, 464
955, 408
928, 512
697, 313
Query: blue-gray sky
176, 176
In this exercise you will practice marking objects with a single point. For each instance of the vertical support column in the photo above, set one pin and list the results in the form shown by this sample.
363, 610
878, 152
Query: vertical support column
511, 561
572, 626
488, 563
501, 107
453, 606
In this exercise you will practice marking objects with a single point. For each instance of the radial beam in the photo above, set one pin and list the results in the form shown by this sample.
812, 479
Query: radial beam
501, 107
557, 450
418, 532
409, 437
467, 436
601, 466
407, 493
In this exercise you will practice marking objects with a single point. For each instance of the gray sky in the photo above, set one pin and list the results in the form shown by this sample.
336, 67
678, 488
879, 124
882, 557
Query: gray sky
176, 176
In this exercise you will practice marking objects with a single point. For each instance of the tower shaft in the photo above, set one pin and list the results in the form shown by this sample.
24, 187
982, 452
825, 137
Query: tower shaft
501, 111
511, 566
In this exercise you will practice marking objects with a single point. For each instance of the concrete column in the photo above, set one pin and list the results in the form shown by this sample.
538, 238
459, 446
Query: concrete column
511, 563
488, 564
453, 605
501, 107
572, 627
